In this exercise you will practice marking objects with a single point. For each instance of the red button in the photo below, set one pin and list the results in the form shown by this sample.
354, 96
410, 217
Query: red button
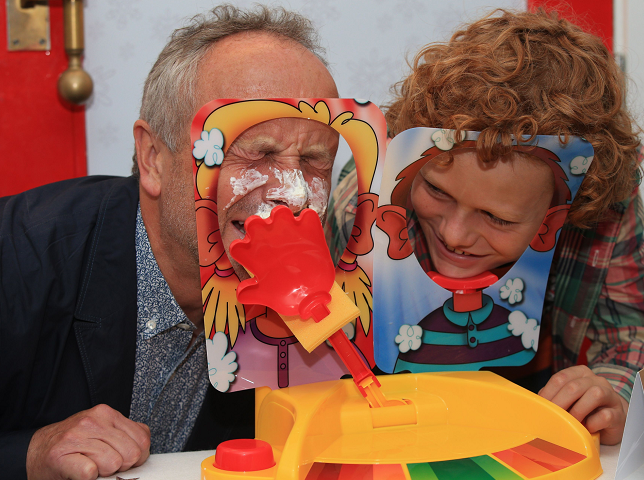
244, 455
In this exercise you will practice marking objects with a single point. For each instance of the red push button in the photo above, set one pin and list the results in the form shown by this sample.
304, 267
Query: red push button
244, 455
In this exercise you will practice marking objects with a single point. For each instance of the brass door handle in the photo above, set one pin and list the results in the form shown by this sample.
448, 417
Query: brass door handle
74, 84
28, 29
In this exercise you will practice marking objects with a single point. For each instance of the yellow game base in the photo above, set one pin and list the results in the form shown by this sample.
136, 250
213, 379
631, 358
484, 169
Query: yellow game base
479, 418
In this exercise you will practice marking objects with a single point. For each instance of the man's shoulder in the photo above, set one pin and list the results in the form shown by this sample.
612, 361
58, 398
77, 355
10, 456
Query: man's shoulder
75, 193
72, 200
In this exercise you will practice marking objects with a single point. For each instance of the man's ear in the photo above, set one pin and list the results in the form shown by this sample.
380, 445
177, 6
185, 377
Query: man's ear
149, 157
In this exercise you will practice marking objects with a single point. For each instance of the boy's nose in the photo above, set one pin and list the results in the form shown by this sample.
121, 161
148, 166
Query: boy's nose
458, 231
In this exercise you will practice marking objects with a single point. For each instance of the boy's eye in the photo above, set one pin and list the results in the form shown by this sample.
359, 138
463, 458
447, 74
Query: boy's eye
497, 220
434, 189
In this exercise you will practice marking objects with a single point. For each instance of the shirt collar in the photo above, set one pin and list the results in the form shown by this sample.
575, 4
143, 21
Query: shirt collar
461, 318
157, 309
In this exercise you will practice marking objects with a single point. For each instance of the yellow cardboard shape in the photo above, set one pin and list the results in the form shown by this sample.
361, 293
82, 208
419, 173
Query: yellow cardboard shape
310, 333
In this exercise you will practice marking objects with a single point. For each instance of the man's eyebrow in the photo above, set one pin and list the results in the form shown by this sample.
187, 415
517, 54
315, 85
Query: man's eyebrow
268, 144
263, 143
317, 151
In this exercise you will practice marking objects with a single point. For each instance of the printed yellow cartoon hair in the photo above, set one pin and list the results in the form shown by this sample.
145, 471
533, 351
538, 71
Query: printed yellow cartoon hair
523, 73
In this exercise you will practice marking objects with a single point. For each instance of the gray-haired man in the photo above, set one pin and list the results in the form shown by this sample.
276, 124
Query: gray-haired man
103, 352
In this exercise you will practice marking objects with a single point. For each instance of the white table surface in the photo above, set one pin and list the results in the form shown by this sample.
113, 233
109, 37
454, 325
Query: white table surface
186, 465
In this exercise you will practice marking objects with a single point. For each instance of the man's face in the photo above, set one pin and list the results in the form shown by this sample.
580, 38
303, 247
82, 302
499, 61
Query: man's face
287, 161
257, 65
477, 217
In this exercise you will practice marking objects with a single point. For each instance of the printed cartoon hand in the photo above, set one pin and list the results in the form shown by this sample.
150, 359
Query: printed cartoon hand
410, 337
355, 284
221, 307
211, 247
591, 400
221, 365
94, 442
291, 263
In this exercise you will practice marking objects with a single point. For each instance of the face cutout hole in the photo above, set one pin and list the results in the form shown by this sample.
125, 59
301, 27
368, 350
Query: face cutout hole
285, 161
466, 217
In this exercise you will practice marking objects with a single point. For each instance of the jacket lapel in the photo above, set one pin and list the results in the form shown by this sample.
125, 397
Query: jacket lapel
105, 324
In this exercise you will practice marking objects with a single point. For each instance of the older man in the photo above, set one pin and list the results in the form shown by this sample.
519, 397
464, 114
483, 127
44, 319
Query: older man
102, 346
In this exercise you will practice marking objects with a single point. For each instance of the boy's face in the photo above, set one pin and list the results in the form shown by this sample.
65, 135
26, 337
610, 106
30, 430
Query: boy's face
477, 216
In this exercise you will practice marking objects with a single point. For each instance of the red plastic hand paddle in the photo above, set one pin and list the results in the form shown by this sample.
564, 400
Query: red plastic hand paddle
292, 267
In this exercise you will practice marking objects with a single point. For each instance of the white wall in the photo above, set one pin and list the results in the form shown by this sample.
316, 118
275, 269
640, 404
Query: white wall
367, 42
629, 44
632, 46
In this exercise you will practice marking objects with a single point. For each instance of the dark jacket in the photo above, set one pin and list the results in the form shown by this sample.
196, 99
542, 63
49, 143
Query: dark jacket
68, 312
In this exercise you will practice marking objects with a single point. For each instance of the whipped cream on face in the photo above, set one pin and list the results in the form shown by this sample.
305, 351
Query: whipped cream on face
293, 189
318, 194
264, 210
249, 181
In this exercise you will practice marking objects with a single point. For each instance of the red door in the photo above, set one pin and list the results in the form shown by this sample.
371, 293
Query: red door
42, 137
594, 16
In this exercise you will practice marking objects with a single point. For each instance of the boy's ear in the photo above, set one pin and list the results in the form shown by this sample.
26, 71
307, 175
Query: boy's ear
546, 237
149, 156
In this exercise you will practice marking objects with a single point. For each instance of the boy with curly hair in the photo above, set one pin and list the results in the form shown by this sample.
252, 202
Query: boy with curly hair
513, 74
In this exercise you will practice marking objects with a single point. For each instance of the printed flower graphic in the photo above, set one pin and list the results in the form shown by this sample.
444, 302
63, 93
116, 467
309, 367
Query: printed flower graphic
526, 328
444, 139
580, 165
512, 291
208, 147
410, 337
221, 365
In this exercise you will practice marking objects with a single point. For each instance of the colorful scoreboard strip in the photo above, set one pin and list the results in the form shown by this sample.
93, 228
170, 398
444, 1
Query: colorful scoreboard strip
538, 457
337, 471
476, 468
530, 460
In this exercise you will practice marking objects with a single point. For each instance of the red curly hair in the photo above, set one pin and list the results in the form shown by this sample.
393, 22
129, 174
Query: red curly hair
527, 73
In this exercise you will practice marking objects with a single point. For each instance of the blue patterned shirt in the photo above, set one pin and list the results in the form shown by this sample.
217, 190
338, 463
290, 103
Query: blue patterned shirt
170, 375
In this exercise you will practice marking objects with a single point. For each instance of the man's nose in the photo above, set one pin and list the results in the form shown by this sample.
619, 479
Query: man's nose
287, 187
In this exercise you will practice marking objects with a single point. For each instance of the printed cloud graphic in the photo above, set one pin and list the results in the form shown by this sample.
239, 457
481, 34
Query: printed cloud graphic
512, 291
410, 337
208, 147
221, 365
444, 139
580, 165
526, 328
